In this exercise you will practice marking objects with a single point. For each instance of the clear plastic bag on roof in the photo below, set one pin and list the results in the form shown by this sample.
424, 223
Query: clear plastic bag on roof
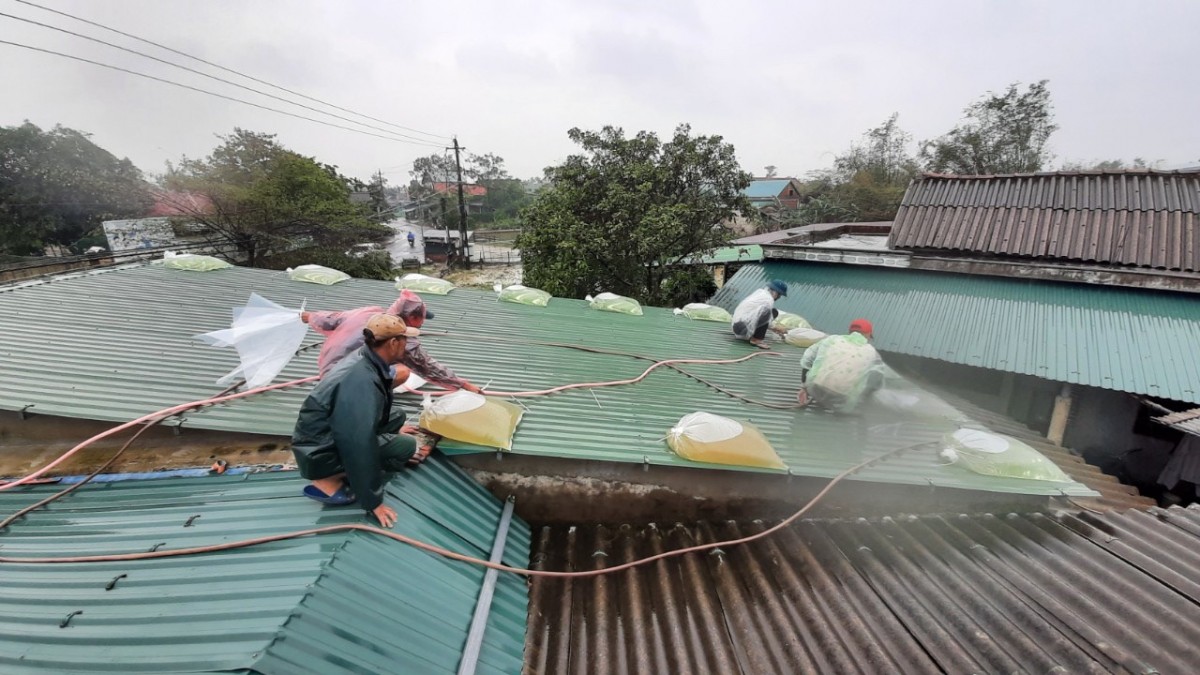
317, 274
193, 262
698, 311
804, 337
467, 417
423, 284
523, 295
996, 455
611, 302
789, 321
704, 437
266, 337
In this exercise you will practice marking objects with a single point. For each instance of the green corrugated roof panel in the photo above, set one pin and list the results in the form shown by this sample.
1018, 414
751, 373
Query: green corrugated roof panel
1127, 339
127, 335
329, 604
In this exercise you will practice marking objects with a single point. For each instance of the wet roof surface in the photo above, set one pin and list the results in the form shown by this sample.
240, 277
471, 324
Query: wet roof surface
953, 594
128, 332
336, 603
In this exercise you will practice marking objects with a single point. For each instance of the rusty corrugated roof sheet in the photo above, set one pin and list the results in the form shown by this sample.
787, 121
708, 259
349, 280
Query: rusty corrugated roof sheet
956, 594
1138, 218
1187, 421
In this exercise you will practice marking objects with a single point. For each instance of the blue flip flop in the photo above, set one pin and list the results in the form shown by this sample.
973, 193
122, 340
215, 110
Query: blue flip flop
342, 497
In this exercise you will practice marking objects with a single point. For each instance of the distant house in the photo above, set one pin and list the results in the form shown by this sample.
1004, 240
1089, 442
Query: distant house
469, 189
155, 228
1066, 300
774, 192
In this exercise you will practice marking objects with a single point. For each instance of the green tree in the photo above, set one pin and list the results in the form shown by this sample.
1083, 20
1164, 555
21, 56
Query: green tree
267, 199
1002, 133
626, 213
57, 187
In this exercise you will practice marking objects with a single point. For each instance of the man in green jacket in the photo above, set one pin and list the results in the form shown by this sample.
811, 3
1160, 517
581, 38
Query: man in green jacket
348, 438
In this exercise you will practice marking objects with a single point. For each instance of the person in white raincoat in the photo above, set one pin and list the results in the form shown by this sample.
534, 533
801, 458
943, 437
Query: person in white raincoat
839, 371
752, 317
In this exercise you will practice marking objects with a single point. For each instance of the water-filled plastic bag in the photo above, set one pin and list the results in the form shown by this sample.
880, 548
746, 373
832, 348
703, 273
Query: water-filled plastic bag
193, 262
789, 321
698, 311
523, 295
996, 455
317, 274
611, 302
423, 284
704, 437
467, 417
804, 337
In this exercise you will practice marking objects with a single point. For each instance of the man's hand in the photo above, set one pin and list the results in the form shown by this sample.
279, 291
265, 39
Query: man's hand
304, 316
410, 430
471, 388
385, 514
802, 397
402, 375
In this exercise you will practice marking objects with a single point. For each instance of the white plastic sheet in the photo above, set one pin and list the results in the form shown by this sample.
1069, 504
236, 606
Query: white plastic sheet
265, 335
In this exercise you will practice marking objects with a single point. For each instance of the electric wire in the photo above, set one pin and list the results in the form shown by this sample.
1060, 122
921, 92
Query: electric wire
213, 77
228, 70
213, 93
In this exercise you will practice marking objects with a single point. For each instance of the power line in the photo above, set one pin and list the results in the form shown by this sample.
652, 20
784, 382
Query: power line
228, 70
212, 77
213, 93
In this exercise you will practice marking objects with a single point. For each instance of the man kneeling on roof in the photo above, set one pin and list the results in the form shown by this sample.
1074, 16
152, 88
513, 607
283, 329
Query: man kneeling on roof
348, 437
753, 316
839, 371
343, 336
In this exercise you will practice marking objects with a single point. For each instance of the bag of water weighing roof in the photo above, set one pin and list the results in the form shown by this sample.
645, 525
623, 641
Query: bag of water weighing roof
611, 302
193, 262
423, 284
704, 437
996, 455
467, 417
523, 295
698, 311
317, 274
804, 337
788, 321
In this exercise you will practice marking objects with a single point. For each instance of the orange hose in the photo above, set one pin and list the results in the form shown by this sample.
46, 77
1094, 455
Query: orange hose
154, 416
212, 548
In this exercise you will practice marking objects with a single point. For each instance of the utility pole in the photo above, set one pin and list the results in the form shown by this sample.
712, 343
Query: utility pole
462, 208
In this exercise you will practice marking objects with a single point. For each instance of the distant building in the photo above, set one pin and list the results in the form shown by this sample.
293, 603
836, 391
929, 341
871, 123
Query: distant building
774, 193
1067, 300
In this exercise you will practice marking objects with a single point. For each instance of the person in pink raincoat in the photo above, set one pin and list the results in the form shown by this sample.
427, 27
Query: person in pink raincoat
343, 333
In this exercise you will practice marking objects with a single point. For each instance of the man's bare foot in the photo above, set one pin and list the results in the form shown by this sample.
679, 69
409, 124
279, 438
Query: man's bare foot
760, 344
421, 454
331, 484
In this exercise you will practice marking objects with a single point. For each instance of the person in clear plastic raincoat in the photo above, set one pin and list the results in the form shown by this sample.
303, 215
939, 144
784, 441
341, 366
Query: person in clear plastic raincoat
343, 335
840, 371
753, 316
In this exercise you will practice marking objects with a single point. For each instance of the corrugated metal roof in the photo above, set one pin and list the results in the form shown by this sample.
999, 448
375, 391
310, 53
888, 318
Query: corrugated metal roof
1127, 339
1145, 219
766, 188
955, 594
133, 325
1187, 421
337, 603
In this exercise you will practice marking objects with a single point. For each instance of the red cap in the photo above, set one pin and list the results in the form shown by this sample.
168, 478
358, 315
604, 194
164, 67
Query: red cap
862, 326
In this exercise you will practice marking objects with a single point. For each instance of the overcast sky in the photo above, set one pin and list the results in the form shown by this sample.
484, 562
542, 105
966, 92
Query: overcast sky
788, 83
